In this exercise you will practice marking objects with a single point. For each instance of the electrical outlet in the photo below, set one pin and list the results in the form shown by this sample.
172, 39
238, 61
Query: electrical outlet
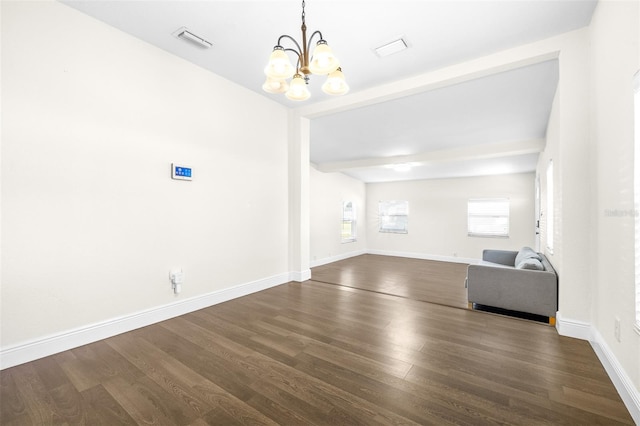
177, 278
616, 329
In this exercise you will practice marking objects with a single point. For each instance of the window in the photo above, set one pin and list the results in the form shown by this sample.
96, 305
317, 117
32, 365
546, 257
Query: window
394, 216
550, 215
537, 212
488, 217
636, 101
348, 222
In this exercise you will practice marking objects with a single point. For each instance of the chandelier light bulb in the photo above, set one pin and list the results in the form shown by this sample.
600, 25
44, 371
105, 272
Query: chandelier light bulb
335, 84
322, 59
279, 66
275, 86
298, 89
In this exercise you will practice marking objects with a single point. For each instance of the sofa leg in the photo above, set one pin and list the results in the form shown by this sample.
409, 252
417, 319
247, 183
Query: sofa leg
552, 321
470, 305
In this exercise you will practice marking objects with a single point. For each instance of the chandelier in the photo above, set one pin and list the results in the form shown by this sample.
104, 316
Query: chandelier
322, 62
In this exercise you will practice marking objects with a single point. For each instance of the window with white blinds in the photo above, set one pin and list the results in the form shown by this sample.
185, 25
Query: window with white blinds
488, 217
394, 216
348, 222
550, 209
636, 101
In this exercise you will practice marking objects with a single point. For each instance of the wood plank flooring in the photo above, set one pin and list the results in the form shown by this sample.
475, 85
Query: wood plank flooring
315, 353
417, 279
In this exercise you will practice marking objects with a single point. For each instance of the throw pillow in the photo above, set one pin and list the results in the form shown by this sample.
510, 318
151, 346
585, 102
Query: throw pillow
533, 264
526, 253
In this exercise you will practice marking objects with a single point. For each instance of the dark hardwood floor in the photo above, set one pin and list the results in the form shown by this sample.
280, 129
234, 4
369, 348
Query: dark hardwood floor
417, 279
317, 353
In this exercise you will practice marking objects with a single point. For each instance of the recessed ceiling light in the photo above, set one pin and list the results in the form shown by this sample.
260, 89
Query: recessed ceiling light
402, 167
184, 34
392, 47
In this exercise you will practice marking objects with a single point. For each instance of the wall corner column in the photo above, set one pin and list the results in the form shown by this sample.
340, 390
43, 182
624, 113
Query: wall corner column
299, 232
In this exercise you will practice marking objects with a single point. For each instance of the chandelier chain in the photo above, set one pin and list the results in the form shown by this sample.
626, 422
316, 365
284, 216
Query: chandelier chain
303, 14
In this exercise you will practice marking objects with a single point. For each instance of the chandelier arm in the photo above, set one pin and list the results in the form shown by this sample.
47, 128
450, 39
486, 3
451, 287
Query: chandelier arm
311, 39
299, 52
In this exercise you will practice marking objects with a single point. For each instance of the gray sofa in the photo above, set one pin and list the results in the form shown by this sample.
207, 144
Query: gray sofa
522, 281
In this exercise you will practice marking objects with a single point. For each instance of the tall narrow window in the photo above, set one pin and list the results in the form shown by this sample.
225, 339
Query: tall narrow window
636, 119
537, 212
550, 215
348, 222
488, 217
394, 216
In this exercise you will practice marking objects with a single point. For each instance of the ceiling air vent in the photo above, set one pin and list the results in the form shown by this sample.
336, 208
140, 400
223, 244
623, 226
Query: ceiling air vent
391, 47
184, 34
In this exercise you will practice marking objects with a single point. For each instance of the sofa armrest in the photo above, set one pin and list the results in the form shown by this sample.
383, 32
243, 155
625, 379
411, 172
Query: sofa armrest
521, 290
504, 257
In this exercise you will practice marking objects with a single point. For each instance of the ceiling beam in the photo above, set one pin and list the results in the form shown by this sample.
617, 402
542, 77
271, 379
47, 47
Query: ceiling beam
506, 60
476, 152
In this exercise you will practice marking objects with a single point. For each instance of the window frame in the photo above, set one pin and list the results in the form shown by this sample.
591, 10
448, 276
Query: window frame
496, 213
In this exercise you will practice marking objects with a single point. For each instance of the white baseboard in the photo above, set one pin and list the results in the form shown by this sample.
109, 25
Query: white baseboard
300, 276
424, 256
39, 348
336, 258
621, 380
573, 328
619, 377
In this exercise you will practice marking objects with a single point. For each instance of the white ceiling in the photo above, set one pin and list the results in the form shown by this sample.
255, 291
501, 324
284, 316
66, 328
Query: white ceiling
501, 110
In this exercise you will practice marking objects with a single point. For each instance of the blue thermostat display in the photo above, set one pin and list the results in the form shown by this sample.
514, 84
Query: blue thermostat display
180, 172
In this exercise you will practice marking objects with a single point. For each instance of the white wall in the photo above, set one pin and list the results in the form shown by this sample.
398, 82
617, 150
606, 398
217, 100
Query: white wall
328, 191
91, 221
438, 215
614, 40
299, 204
551, 153
590, 138
568, 145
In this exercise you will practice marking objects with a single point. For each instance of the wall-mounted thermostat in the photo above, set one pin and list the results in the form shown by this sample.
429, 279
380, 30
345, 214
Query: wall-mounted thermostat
180, 172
